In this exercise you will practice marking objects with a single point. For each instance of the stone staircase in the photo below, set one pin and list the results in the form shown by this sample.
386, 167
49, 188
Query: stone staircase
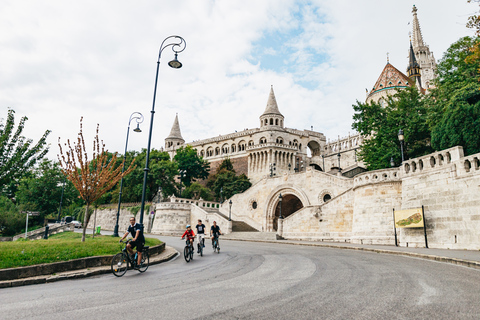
240, 226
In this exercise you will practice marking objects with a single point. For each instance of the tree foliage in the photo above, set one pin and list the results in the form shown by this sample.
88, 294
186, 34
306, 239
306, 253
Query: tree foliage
193, 165
17, 153
405, 110
455, 102
41, 190
197, 191
12, 221
161, 175
92, 178
225, 183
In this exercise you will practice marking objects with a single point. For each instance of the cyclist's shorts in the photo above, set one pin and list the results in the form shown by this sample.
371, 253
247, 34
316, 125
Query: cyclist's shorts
137, 244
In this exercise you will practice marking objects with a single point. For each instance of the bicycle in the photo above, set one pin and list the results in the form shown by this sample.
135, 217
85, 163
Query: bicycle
201, 241
216, 244
188, 251
121, 261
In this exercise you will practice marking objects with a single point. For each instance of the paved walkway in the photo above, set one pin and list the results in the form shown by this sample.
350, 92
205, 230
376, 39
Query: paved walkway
467, 258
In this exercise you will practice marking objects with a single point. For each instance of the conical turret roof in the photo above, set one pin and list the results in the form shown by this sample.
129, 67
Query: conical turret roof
272, 107
175, 133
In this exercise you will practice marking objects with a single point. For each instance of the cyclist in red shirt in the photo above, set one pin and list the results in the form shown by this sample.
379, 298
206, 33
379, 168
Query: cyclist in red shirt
189, 234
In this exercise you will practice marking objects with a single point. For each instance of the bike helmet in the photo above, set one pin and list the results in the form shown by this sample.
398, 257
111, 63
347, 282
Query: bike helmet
188, 226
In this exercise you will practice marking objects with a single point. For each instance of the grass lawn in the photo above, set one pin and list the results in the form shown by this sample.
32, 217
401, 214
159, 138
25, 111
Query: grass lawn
59, 247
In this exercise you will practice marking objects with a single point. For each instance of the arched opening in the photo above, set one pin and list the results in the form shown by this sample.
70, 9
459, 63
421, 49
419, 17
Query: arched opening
313, 148
290, 204
316, 166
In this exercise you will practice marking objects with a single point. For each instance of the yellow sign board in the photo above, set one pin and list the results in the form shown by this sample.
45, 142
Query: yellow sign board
411, 218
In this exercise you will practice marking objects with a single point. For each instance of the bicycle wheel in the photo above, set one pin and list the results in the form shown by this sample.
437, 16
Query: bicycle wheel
218, 247
200, 248
119, 264
145, 262
191, 252
214, 245
186, 253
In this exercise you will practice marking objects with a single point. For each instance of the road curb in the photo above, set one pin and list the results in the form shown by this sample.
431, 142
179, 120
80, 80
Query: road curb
456, 261
168, 254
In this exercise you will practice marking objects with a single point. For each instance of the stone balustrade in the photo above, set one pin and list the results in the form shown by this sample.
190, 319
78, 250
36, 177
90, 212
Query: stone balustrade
377, 176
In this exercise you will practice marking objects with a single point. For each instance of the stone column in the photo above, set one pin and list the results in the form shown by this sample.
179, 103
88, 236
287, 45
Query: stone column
229, 226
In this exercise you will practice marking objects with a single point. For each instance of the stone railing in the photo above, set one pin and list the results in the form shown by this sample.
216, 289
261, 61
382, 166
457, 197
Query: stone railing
471, 165
377, 176
272, 144
39, 233
200, 203
224, 137
432, 162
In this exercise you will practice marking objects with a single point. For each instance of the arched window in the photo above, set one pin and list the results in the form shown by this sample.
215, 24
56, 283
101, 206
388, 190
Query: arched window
271, 121
276, 122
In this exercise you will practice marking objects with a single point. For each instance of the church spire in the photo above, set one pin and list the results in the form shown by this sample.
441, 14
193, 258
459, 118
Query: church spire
417, 32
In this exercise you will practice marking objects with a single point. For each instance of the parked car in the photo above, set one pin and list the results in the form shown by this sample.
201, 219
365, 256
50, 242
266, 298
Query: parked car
77, 224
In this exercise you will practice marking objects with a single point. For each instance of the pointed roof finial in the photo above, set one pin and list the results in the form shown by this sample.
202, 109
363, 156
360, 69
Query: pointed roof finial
175, 133
417, 32
272, 107
388, 58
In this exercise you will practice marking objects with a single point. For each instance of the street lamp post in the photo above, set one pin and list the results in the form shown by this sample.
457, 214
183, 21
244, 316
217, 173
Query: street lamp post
139, 119
178, 44
339, 168
183, 173
230, 211
401, 138
323, 160
280, 198
221, 195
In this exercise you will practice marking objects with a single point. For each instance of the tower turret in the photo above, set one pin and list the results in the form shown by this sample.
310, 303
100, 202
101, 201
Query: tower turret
175, 137
413, 69
271, 116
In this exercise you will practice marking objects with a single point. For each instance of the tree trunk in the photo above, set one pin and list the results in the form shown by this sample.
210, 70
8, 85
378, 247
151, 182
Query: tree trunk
85, 222
94, 222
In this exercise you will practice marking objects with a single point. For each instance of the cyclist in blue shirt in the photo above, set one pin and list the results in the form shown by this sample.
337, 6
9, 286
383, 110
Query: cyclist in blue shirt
138, 241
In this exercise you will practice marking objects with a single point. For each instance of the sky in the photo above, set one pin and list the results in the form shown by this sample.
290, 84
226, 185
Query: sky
63, 60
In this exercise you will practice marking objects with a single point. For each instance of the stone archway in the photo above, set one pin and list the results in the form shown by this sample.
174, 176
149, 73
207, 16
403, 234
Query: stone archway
292, 201
290, 204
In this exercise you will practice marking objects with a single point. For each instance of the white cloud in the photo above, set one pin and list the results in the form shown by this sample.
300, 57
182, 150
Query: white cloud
61, 60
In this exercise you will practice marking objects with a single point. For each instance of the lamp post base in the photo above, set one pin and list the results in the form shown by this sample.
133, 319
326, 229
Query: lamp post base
115, 231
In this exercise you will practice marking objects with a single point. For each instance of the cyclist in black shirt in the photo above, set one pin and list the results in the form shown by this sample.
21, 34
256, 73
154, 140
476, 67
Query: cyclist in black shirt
200, 232
214, 231
138, 239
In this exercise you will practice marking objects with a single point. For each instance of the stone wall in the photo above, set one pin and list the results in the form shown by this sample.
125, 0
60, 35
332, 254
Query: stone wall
377, 193
447, 184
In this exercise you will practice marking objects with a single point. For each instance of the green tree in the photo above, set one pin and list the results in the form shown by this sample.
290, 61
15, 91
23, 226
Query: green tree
41, 190
455, 102
193, 165
405, 110
17, 153
161, 175
225, 183
197, 191
12, 221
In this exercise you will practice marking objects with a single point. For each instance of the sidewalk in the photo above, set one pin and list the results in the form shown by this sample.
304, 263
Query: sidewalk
466, 258
168, 254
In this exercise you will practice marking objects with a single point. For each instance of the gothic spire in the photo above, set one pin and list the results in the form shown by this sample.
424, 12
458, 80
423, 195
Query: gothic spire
272, 107
175, 132
417, 32
413, 69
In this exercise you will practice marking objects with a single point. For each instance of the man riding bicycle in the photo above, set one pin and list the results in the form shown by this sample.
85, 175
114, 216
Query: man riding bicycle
200, 234
138, 241
214, 231
189, 234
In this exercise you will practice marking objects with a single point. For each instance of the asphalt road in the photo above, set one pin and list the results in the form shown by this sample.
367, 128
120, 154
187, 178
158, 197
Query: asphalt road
261, 281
